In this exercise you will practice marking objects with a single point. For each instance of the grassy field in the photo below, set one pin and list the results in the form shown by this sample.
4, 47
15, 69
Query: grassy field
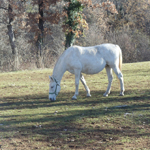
29, 121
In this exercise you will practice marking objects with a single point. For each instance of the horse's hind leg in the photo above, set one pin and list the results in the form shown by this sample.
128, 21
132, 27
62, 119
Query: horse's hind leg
110, 79
85, 85
120, 77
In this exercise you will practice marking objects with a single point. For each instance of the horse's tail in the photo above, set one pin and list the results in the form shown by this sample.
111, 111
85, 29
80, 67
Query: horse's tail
120, 59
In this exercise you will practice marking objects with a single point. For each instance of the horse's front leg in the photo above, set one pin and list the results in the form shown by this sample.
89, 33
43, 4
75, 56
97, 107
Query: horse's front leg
85, 85
77, 78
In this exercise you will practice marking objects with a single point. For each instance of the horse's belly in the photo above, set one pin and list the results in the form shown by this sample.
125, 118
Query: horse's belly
93, 67
91, 70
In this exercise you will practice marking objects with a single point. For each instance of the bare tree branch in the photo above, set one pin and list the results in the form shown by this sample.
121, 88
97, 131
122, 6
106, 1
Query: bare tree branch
3, 23
3, 8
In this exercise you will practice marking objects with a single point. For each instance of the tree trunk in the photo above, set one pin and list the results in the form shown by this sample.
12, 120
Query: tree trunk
70, 39
39, 54
12, 40
40, 63
13, 47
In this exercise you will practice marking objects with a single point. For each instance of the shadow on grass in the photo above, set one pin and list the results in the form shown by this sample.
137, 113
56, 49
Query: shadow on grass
68, 124
37, 101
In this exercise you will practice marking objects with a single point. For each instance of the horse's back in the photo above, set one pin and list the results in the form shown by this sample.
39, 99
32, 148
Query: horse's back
107, 51
92, 59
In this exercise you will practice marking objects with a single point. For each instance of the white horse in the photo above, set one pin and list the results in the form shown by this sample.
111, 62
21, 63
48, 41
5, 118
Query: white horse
88, 60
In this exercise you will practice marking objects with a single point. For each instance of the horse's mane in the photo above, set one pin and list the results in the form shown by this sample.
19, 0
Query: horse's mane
59, 59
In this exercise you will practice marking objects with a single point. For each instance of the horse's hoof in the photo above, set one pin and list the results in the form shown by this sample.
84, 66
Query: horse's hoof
105, 95
74, 98
88, 95
121, 94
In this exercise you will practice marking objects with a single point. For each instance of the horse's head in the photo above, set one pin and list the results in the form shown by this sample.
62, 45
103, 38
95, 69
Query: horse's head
54, 88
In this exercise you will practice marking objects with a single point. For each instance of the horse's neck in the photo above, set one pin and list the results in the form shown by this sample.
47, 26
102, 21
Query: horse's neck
59, 71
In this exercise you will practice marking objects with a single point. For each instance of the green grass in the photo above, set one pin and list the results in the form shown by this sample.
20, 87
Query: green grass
28, 120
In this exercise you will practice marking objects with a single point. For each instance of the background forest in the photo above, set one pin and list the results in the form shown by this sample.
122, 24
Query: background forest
32, 33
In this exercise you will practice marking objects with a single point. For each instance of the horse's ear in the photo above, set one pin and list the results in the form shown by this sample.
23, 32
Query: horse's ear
51, 78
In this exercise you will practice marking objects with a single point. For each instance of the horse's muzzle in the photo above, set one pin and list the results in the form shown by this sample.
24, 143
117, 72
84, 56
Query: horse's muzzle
52, 99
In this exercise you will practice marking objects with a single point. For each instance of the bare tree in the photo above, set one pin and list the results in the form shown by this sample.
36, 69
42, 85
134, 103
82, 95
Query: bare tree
7, 7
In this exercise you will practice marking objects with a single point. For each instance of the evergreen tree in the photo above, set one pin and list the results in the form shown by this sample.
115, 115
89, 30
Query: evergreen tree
74, 21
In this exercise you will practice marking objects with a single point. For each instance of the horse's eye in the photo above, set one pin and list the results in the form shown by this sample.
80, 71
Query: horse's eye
52, 87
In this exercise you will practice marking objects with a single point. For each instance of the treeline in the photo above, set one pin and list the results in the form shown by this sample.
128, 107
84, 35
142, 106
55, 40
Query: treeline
33, 36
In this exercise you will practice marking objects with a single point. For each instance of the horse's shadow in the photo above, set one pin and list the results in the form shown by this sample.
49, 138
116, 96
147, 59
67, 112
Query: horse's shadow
53, 124
41, 100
